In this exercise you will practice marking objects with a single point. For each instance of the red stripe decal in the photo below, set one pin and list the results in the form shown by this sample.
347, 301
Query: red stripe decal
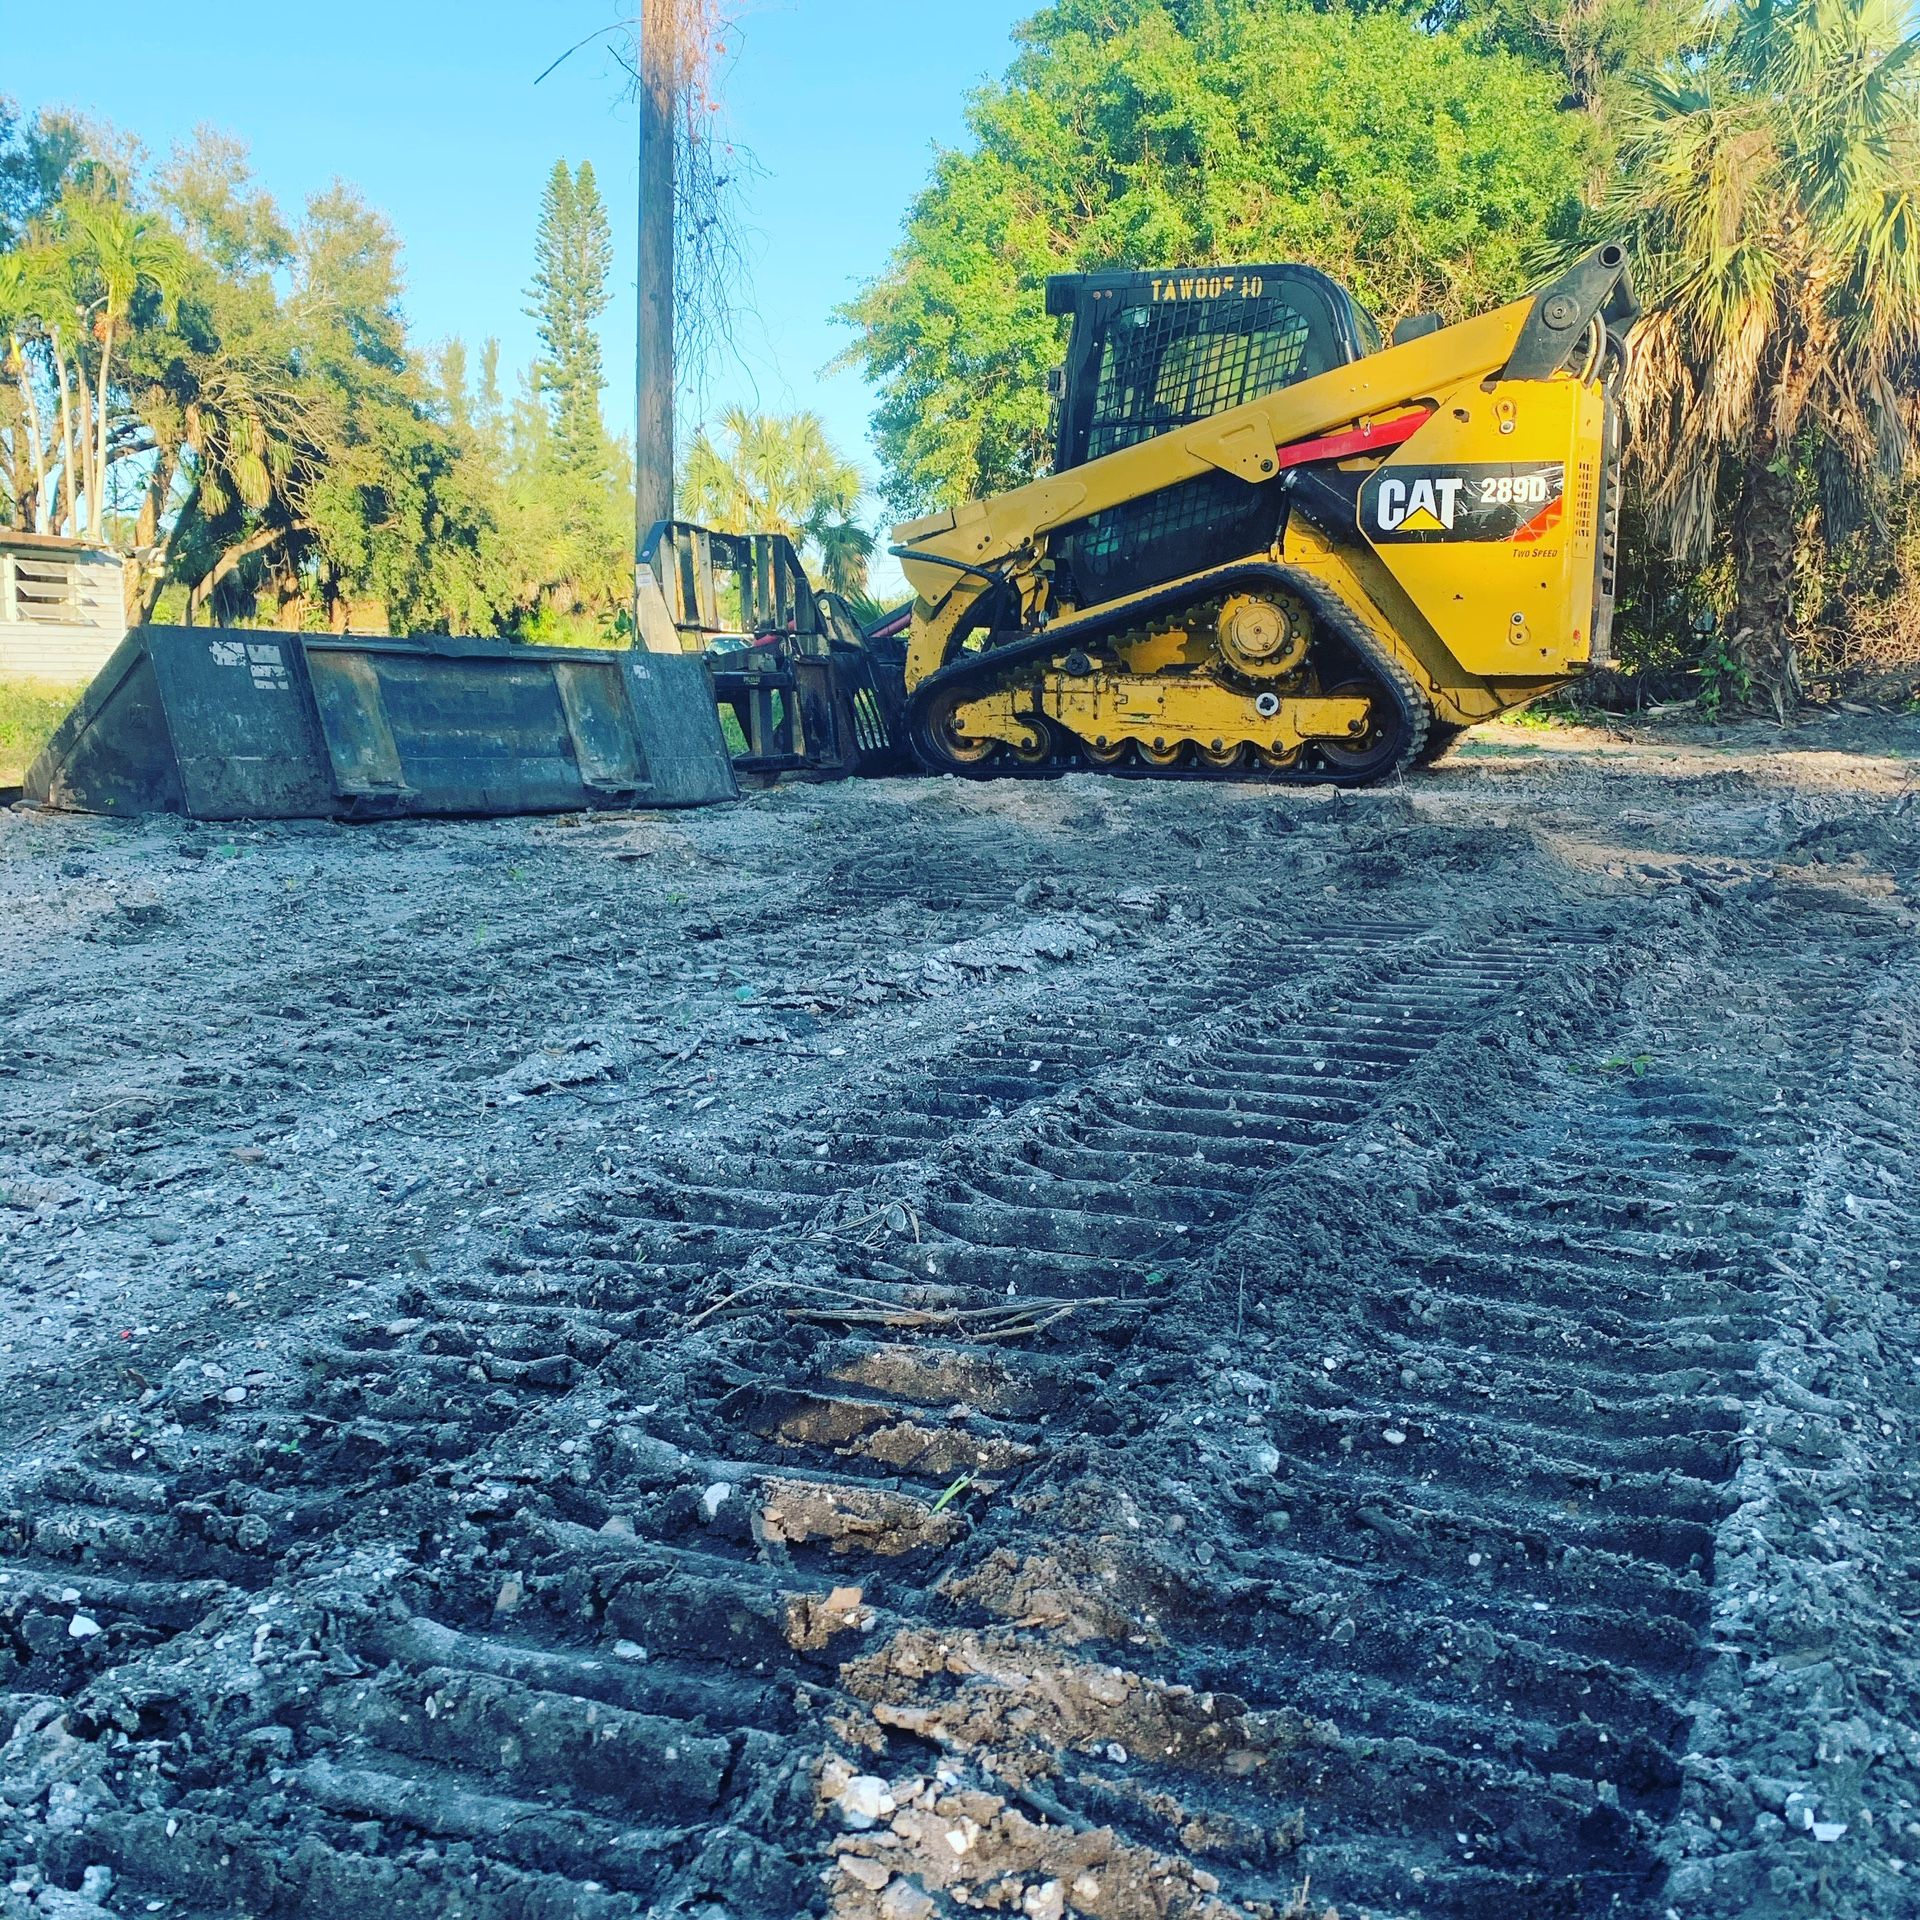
1355, 441
1543, 522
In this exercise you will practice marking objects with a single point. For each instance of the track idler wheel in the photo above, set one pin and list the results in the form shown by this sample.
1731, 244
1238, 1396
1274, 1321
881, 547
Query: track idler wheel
1366, 755
945, 745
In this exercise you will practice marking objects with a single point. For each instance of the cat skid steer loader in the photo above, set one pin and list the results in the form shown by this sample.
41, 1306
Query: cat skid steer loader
1273, 544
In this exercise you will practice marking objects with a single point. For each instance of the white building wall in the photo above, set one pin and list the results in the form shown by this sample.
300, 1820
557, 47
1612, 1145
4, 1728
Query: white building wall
73, 647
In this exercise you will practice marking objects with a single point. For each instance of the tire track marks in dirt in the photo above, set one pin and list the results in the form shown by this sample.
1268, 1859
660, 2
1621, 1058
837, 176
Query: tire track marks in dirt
1803, 1783
764, 1532
1250, 1418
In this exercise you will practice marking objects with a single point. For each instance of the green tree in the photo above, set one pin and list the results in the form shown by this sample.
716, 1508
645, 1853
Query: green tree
38, 157
567, 496
573, 257
300, 469
1600, 45
774, 473
1416, 164
1772, 192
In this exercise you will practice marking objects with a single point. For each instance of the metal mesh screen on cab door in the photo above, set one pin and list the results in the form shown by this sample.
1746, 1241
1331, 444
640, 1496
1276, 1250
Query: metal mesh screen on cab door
1166, 366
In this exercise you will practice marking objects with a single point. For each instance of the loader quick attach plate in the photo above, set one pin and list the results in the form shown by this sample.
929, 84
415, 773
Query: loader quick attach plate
232, 725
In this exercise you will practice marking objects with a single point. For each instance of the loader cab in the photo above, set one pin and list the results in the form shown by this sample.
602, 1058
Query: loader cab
1153, 352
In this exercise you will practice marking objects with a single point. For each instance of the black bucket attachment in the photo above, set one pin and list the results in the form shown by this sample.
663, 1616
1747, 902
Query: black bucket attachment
237, 725
789, 663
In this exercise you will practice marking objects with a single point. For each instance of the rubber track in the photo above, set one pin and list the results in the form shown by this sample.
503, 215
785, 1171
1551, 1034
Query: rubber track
1346, 620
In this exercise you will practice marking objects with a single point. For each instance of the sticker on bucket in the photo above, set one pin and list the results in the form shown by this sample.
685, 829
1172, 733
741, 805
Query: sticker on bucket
269, 669
265, 663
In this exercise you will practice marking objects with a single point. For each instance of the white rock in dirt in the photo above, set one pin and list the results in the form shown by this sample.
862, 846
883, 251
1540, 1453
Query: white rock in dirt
864, 1802
82, 1627
511, 1593
1048, 1901
904, 1901
97, 1882
1828, 1830
715, 1497
55, 1903
1267, 1459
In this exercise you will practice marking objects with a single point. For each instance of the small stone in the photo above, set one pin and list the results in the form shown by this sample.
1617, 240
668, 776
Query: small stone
1827, 1831
864, 1802
715, 1497
629, 1650
1085, 1888
1116, 1753
619, 1525
871, 1874
1278, 1521
904, 1901
1267, 1460
1395, 1437
1475, 1559
1048, 1901
96, 1883
511, 1593
82, 1626
234, 1396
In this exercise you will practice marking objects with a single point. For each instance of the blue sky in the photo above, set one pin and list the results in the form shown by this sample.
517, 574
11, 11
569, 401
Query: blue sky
430, 108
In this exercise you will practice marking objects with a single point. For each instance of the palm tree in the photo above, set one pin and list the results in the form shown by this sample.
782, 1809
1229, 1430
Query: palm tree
125, 251
36, 294
18, 308
1772, 190
774, 473
845, 550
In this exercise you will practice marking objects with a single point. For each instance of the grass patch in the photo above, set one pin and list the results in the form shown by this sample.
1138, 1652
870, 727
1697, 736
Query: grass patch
1472, 749
29, 712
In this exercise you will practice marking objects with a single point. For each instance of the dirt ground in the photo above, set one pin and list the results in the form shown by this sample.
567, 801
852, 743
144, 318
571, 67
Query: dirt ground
1092, 1347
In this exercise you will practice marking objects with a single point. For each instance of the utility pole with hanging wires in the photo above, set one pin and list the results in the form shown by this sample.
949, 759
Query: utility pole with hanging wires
660, 68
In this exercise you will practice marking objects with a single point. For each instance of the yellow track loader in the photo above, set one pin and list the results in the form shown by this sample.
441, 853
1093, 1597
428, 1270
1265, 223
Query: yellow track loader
1273, 543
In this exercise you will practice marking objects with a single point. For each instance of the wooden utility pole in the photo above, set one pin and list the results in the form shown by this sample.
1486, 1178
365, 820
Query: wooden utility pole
653, 438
